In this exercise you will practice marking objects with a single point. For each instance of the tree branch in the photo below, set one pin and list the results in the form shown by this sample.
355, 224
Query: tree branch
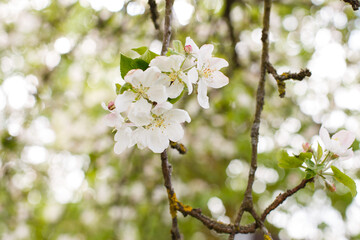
154, 13
280, 79
283, 196
247, 204
233, 39
166, 170
167, 26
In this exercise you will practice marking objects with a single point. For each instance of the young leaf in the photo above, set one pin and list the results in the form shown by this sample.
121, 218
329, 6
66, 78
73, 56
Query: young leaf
285, 161
140, 50
309, 163
148, 55
127, 64
344, 179
319, 152
178, 46
305, 156
309, 173
125, 87
118, 87
171, 52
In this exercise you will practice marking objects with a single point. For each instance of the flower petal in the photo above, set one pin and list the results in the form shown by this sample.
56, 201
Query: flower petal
346, 138
150, 76
193, 75
217, 63
175, 89
325, 136
347, 155
157, 93
202, 97
162, 62
187, 82
139, 137
175, 62
217, 80
161, 108
123, 139
205, 53
123, 101
134, 77
140, 113
177, 116
174, 132
158, 141
114, 119
189, 41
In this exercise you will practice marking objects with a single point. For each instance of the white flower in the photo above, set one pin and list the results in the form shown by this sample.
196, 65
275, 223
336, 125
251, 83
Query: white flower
207, 72
145, 85
174, 77
339, 143
164, 126
123, 138
114, 118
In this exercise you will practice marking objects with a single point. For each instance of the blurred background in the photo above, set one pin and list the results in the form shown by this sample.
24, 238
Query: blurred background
59, 176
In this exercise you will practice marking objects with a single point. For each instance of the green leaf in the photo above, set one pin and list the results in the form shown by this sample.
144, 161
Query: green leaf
345, 179
286, 161
118, 87
174, 100
145, 53
319, 152
305, 155
148, 56
310, 173
309, 163
171, 52
178, 46
140, 50
125, 87
127, 64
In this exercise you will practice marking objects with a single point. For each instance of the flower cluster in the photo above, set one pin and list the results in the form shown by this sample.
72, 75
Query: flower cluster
143, 113
319, 163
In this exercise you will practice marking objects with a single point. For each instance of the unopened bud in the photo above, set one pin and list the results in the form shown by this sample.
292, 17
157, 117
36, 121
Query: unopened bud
306, 147
330, 186
188, 49
111, 105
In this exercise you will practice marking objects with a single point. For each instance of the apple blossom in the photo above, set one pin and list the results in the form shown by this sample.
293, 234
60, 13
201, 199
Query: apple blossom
174, 77
339, 143
164, 126
145, 85
207, 71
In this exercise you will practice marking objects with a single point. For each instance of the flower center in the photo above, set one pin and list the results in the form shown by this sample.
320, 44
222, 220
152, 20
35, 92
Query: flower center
158, 122
141, 92
207, 72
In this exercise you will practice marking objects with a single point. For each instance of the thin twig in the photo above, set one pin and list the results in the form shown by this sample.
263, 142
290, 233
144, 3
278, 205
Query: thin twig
283, 196
167, 26
232, 36
166, 170
154, 13
355, 4
247, 204
280, 79
178, 146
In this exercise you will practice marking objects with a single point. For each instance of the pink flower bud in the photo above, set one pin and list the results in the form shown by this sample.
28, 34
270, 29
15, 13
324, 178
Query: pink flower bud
330, 186
306, 147
188, 49
111, 105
